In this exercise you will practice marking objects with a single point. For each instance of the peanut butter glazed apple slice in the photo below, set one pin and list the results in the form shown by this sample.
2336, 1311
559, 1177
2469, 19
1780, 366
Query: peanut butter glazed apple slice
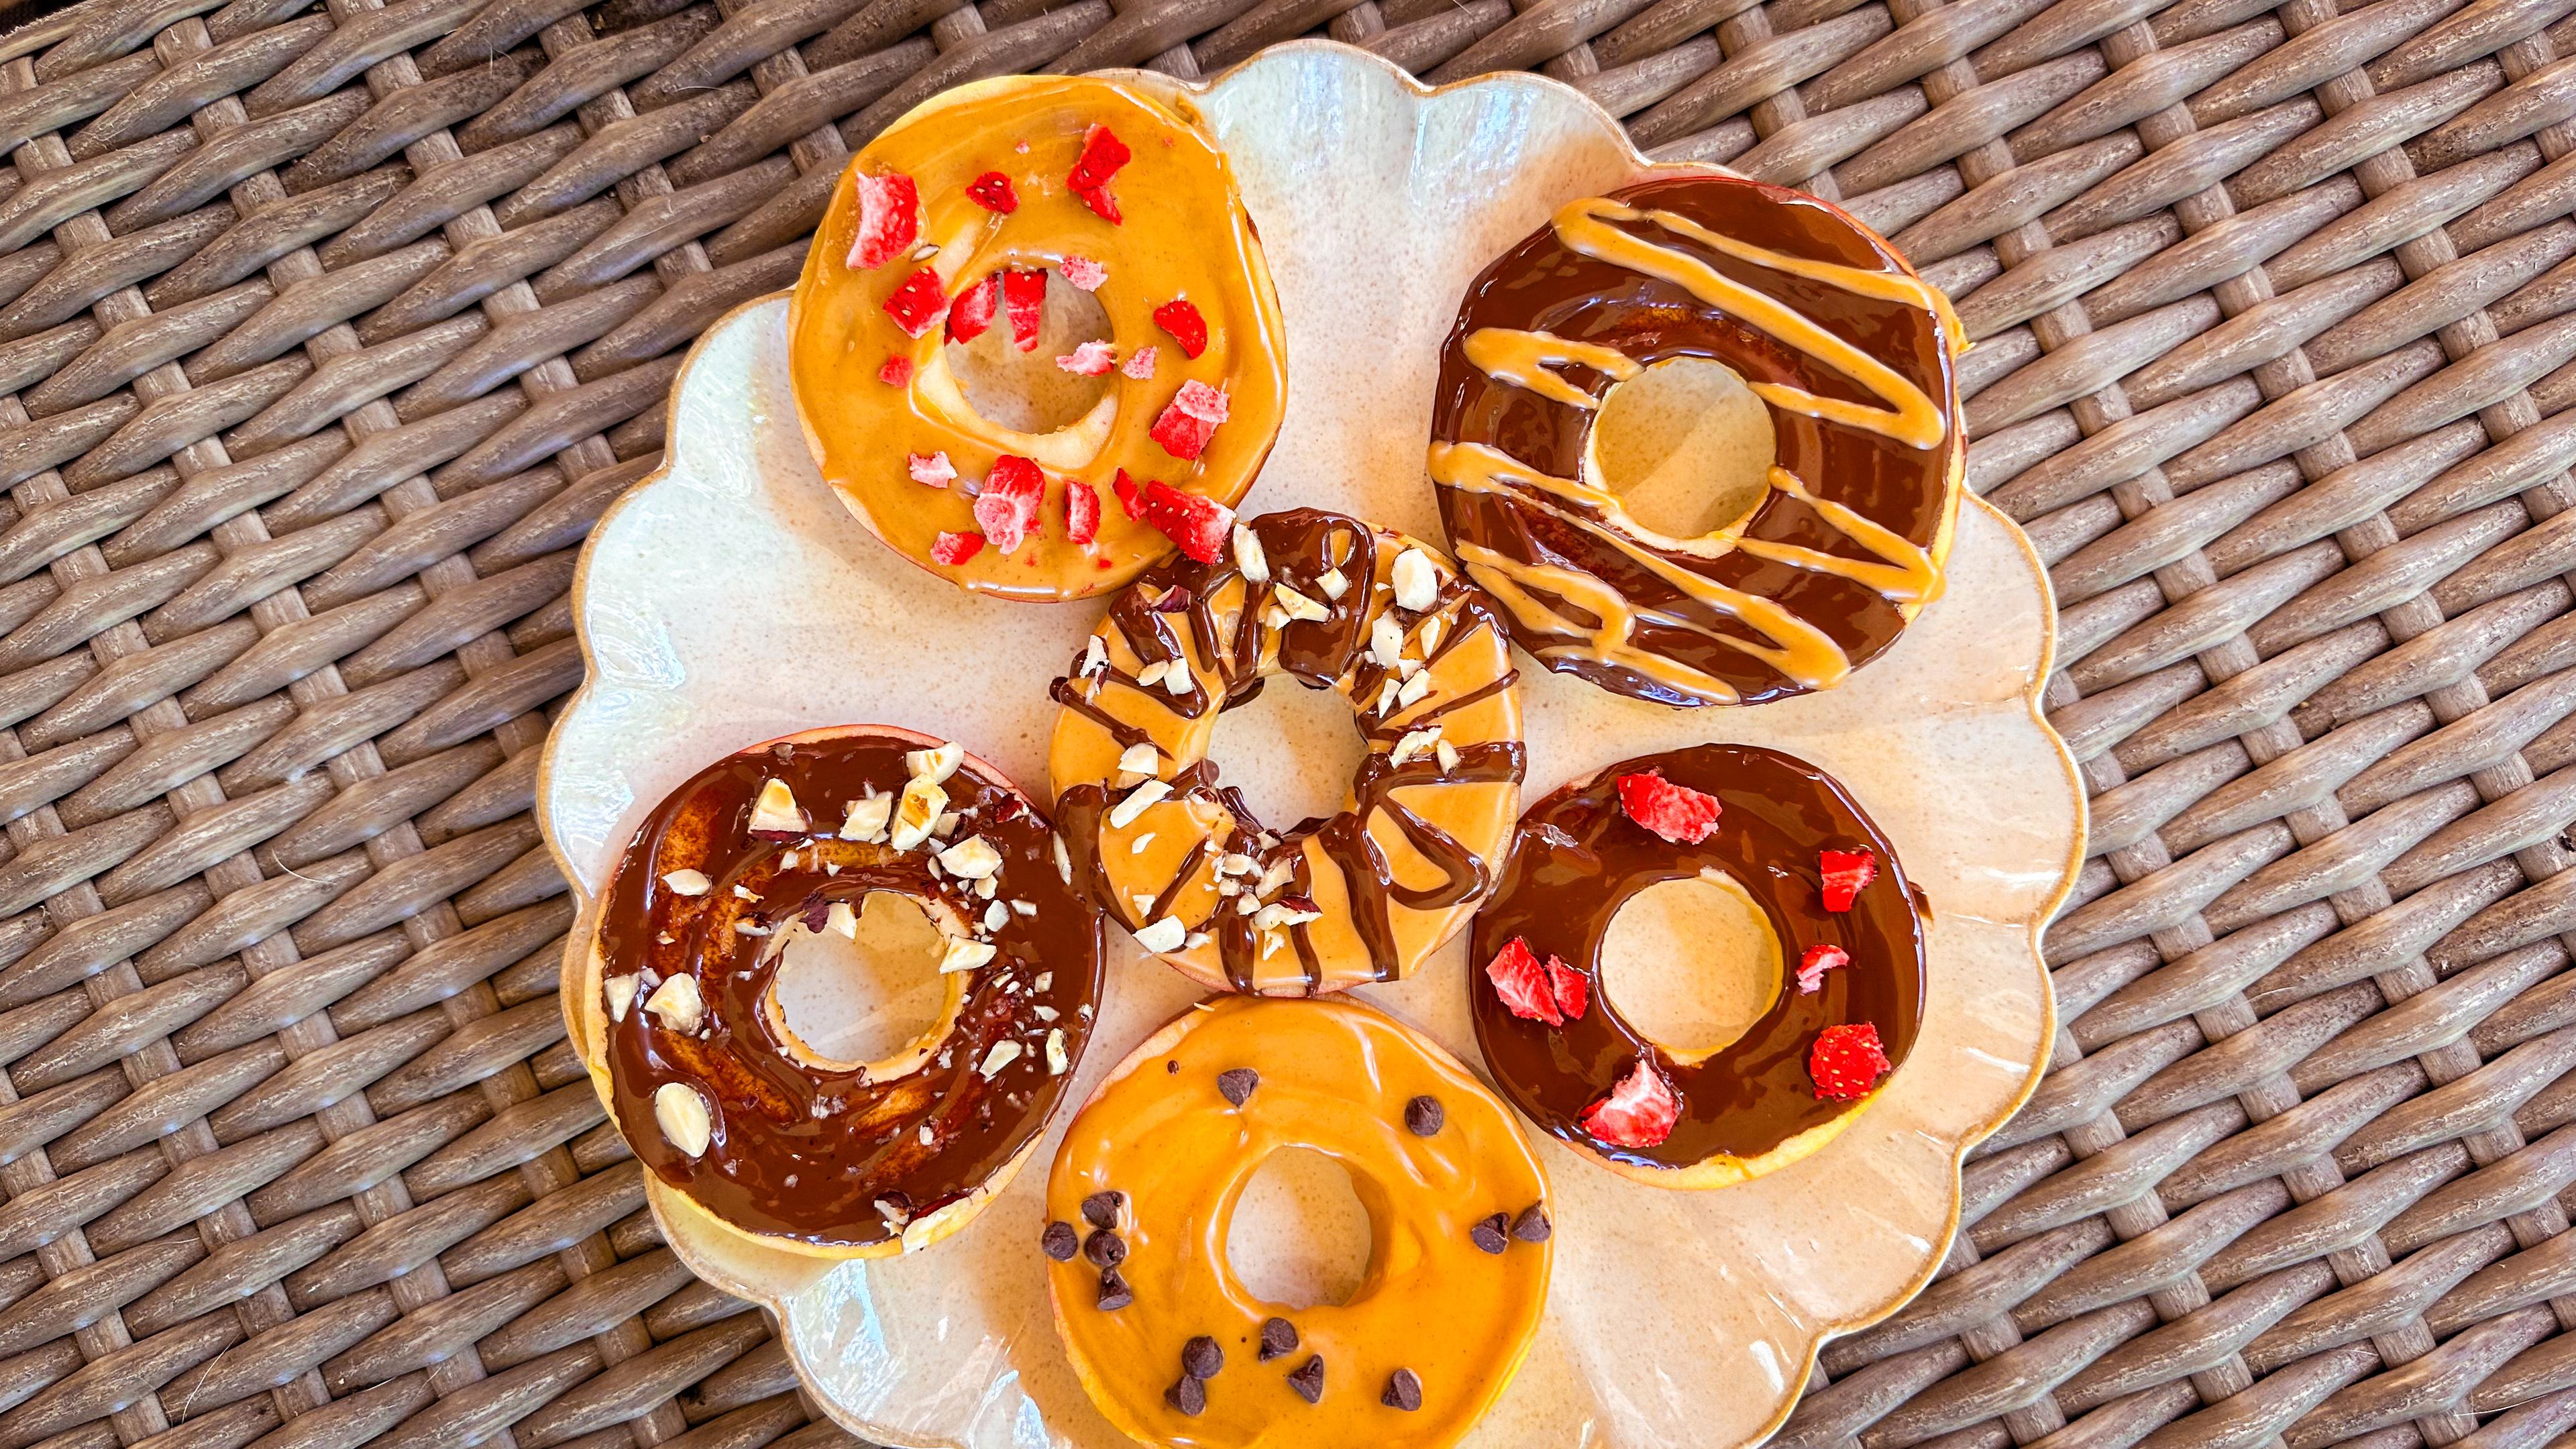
1417, 654
765, 1135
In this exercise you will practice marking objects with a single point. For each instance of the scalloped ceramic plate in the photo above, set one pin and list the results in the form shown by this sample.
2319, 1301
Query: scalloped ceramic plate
729, 599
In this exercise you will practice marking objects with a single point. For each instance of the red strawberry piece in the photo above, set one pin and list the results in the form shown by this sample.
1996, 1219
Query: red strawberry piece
1678, 813
1024, 299
1200, 525
1140, 363
973, 310
1572, 989
1185, 426
1819, 959
1523, 984
930, 470
1180, 317
1131, 497
992, 191
896, 372
1091, 359
1081, 511
1845, 872
1008, 506
1102, 154
889, 220
1083, 272
1639, 1112
953, 549
918, 304
1847, 1061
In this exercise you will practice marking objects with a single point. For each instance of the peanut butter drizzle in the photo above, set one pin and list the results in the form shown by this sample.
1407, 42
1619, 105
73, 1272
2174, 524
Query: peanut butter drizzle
1333, 1077
1184, 234
1390, 876
1590, 589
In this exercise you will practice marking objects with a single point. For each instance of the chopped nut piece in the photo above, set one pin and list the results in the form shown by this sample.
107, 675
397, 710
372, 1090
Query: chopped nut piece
1140, 759
1297, 605
775, 812
1334, 583
1414, 688
972, 858
1386, 641
964, 955
1279, 913
935, 765
1249, 556
1142, 901
1137, 846
682, 1115
1416, 581
1447, 754
866, 819
1063, 860
1095, 656
687, 882
1415, 744
1386, 695
1138, 801
1281, 871
1430, 636
1178, 681
1002, 1055
1164, 935
842, 919
1152, 674
1234, 863
621, 994
677, 1002
1056, 1056
946, 825
916, 813
996, 916
750, 928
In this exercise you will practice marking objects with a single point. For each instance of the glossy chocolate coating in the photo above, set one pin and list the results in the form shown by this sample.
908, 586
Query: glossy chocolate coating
1577, 859
1543, 285
775, 1165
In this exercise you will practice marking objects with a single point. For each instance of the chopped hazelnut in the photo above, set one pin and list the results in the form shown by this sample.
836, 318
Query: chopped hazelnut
687, 882
1416, 580
678, 1004
682, 1115
865, 819
775, 812
917, 812
934, 765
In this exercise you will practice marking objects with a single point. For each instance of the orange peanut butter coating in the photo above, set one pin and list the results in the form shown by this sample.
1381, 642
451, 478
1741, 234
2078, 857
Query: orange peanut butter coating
962, 215
1157, 1161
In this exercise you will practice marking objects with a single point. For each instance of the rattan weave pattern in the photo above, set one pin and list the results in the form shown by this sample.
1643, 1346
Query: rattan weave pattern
327, 329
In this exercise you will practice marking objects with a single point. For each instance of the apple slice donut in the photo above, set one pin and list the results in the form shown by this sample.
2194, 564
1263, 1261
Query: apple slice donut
1180, 859
1844, 954
764, 1135
960, 219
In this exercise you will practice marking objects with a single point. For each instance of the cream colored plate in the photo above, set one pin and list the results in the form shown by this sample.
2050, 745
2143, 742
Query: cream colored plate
729, 598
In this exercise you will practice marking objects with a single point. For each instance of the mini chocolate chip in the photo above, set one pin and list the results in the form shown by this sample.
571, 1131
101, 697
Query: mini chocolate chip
1488, 1233
1403, 1391
1424, 1116
1109, 1250
1114, 1292
1278, 1336
1101, 1209
1532, 1225
1237, 1085
1308, 1380
1201, 1358
1060, 1241
1189, 1395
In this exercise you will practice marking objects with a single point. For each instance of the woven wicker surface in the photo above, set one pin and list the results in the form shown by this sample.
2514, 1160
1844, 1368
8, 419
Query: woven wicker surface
2277, 328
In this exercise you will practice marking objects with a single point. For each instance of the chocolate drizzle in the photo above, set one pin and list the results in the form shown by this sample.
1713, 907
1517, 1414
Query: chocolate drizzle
1838, 337
1223, 626
808, 1151
1577, 859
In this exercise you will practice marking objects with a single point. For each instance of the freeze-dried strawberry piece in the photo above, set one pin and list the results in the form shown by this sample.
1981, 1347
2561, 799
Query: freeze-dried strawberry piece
973, 310
930, 470
1819, 959
1201, 526
1102, 154
889, 220
1185, 426
1845, 872
1572, 989
1678, 813
918, 304
1008, 507
1523, 984
1091, 359
1180, 317
1131, 494
1024, 300
992, 191
953, 549
1081, 511
1639, 1112
1847, 1061
1140, 363
1083, 272
896, 372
